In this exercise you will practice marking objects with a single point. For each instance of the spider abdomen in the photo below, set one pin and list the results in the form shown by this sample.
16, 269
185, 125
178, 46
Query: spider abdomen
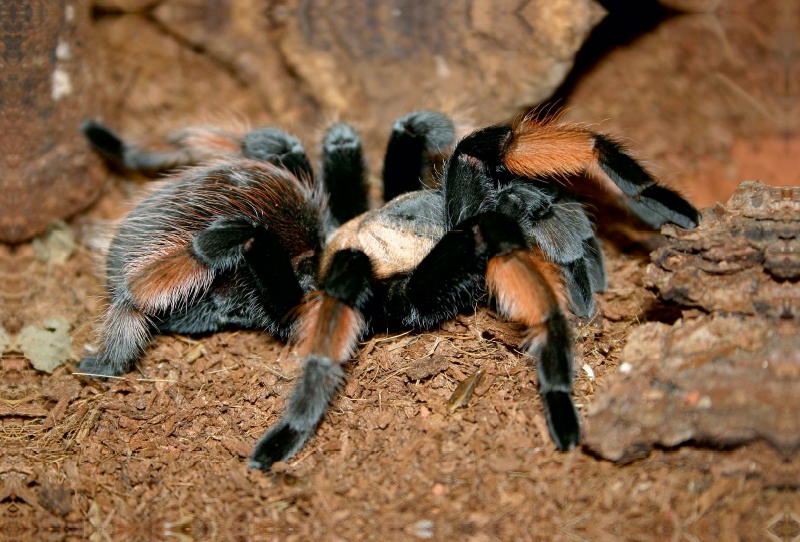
397, 236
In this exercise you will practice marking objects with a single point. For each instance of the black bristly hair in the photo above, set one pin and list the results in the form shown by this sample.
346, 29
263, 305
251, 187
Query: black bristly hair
651, 202
277, 147
344, 172
415, 139
104, 141
257, 241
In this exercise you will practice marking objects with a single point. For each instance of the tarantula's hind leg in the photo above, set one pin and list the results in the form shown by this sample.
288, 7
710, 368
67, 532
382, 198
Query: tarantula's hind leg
415, 138
111, 147
330, 326
193, 145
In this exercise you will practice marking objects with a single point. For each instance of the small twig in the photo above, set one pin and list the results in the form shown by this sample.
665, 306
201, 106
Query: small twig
279, 375
99, 376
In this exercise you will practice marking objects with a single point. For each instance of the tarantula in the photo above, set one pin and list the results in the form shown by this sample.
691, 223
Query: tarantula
257, 241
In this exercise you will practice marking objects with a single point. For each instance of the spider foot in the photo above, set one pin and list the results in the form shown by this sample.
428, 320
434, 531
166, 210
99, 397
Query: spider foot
279, 444
308, 404
562, 419
434, 129
96, 366
104, 141
341, 137
415, 139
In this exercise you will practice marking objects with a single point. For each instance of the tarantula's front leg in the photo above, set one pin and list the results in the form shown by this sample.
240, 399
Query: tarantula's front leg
489, 250
543, 149
275, 146
331, 323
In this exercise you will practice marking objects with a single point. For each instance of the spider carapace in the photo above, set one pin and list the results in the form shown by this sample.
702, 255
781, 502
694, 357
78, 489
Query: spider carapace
256, 240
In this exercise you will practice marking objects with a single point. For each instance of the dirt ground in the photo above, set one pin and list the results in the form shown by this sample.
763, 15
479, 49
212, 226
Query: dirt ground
162, 452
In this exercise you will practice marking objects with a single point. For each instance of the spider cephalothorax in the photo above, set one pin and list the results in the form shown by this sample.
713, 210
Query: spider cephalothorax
255, 241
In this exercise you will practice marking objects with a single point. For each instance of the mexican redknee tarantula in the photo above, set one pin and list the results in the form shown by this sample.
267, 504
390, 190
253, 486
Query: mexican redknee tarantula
257, 241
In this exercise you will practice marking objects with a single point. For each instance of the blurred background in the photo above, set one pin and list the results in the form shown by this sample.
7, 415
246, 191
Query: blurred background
707, 92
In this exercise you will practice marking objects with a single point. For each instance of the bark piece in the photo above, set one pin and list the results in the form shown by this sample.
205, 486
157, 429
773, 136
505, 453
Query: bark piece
49, 84
724, 378
744, 258
715, 380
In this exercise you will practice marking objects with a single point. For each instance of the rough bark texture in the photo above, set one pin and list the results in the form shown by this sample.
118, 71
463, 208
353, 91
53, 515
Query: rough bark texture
743, 259
48, 84
730, 374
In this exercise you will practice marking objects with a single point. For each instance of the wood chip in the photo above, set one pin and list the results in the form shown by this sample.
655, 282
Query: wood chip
426, 368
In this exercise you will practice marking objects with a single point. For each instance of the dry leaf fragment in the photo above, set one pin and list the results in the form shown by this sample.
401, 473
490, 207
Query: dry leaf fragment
464, 391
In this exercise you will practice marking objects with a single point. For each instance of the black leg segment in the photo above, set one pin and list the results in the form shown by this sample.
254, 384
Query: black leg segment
344, 172
328, 333
277, 147
111, 147
415, 138
309, 402
554, 370
453, 275
654, 204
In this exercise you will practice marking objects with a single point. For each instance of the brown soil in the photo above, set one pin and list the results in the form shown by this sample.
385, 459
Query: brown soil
163, 451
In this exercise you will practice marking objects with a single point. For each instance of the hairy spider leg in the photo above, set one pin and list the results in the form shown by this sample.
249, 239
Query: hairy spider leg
557, 225
596, 265
527, 288
489, 250
270, 277
277, 147
191, 146
177, 268
651, 202
152, 297
331, 323
344, 172
125, 331
196, 144
415, 139
542, 148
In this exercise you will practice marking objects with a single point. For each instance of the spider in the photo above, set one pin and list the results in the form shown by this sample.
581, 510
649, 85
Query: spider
258, 241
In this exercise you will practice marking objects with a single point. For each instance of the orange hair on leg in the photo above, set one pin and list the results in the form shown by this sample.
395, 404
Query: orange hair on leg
543, 148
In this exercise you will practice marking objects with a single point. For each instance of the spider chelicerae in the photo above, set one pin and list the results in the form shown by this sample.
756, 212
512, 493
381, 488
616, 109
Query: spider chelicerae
256, 240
